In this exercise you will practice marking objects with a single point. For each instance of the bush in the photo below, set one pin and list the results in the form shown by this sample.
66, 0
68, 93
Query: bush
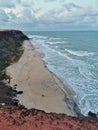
9, 52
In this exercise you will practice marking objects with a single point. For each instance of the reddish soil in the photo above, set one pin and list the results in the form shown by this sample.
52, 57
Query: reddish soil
17, 118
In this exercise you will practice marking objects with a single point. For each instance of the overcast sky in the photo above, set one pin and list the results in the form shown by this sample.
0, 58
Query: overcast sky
49, 14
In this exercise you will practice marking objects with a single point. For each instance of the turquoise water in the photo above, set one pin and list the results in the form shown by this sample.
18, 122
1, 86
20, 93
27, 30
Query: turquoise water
73, 57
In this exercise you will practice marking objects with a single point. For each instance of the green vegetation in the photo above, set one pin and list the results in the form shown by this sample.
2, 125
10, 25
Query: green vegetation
10, 50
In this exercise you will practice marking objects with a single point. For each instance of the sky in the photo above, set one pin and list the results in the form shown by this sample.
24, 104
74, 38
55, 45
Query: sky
49, 15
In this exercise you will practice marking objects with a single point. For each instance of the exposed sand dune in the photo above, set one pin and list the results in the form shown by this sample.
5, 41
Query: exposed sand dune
41, 88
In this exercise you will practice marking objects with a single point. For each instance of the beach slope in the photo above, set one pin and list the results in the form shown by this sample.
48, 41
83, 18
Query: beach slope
41, 88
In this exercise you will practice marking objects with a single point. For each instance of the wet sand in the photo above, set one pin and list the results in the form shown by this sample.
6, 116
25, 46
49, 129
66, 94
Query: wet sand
41, 88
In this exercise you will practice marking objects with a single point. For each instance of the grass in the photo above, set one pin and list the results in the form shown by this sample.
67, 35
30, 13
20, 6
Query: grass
10, 51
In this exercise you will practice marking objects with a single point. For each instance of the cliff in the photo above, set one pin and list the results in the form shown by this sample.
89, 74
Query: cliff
15, 116
18, 118
10, 48
10, 51
7, 35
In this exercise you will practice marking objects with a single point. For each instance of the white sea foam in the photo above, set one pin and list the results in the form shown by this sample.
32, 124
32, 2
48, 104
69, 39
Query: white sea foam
80, 53
52, 43
38, 37
87, 103
77, 68
55, 38
58, 52
30, 36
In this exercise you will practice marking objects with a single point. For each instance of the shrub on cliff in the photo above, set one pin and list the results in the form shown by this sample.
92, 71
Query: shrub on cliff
10, 48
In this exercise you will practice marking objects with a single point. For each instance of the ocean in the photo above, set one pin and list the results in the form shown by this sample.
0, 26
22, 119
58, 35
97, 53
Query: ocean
73, 57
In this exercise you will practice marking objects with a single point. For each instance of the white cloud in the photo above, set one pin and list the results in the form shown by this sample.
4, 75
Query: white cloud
70, 15
32, 15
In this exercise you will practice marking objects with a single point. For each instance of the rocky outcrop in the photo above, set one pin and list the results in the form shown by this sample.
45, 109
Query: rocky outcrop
8, 94
19, 118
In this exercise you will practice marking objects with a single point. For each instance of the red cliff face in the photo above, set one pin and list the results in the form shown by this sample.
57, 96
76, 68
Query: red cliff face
16, 118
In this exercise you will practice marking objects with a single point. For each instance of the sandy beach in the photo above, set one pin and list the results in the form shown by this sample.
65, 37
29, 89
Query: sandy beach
41, 88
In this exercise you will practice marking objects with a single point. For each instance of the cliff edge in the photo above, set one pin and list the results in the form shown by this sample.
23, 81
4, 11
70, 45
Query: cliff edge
17, 117
7, 35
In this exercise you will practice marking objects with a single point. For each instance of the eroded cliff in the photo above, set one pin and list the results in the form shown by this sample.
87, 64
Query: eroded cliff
15, 116
19, 118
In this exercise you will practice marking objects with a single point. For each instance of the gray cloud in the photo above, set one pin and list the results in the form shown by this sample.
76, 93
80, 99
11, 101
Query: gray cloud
6, 4
50, 0
26, 3
26, 19
11, 16
68, 16
3, 16
71, 6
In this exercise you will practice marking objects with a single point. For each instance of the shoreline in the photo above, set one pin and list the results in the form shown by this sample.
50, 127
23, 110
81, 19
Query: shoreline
42, 89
